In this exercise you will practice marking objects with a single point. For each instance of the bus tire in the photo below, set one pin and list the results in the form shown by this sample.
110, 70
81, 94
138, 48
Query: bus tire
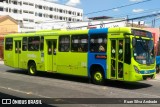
32, 68
97, 77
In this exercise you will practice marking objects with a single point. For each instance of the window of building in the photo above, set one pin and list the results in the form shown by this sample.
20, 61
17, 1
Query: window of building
31, 12
36, 6
64, 43
31, 4
69, 19
15, 11
79, 43
15, 2
19, 3
24, 44
69, 12
98, 43
50, 8
40, 6
25, 3
25, 11
45, 7
78, 14
60, 17
51, 16
40, 14
45, 15
4, 1
20, 11
6, 9
8, 43
1, 8
33, 43
31, 20
60, 10
25, 19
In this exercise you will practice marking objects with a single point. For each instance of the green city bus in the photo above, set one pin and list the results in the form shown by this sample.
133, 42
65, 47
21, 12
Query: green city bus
121, 53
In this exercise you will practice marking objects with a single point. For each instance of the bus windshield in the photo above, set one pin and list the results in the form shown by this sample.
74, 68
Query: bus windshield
144, 51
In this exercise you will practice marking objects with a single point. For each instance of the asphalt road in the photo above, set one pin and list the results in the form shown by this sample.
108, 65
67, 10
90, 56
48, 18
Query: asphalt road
61, 91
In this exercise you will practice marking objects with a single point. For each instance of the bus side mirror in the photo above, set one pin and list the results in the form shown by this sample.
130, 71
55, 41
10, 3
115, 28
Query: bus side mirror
134, 42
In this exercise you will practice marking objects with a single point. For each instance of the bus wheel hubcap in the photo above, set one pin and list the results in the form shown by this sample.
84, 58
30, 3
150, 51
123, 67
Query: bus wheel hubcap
98, 76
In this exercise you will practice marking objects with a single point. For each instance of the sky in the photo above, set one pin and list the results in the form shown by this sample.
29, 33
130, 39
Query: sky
112, 10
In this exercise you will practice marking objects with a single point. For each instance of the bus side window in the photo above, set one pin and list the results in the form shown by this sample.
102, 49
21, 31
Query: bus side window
64, 43
9, 44
79, 43
24, 43
98, 43
33, 43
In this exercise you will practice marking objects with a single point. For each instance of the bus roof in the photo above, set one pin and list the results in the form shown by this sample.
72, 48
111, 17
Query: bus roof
70, 32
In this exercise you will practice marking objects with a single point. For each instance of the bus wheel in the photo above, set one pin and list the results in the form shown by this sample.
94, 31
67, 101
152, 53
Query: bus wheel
97, 77
32, 69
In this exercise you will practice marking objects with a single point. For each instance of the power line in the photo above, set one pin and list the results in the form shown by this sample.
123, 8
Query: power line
131, 19
133, 14
113, 8
110, 9
117, 7
136, 18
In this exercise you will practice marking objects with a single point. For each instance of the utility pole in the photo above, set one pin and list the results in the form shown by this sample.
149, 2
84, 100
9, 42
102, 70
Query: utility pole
153, 22
127, 21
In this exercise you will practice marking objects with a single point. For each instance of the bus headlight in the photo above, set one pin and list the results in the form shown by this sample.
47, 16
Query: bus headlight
136, 69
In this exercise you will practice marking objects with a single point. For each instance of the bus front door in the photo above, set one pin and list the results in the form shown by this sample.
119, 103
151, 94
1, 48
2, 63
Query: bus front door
117, 59
17, 53
51, 55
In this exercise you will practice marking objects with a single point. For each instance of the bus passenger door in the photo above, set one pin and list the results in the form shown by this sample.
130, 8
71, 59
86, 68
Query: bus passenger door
51, 55
117, 59
17, 53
